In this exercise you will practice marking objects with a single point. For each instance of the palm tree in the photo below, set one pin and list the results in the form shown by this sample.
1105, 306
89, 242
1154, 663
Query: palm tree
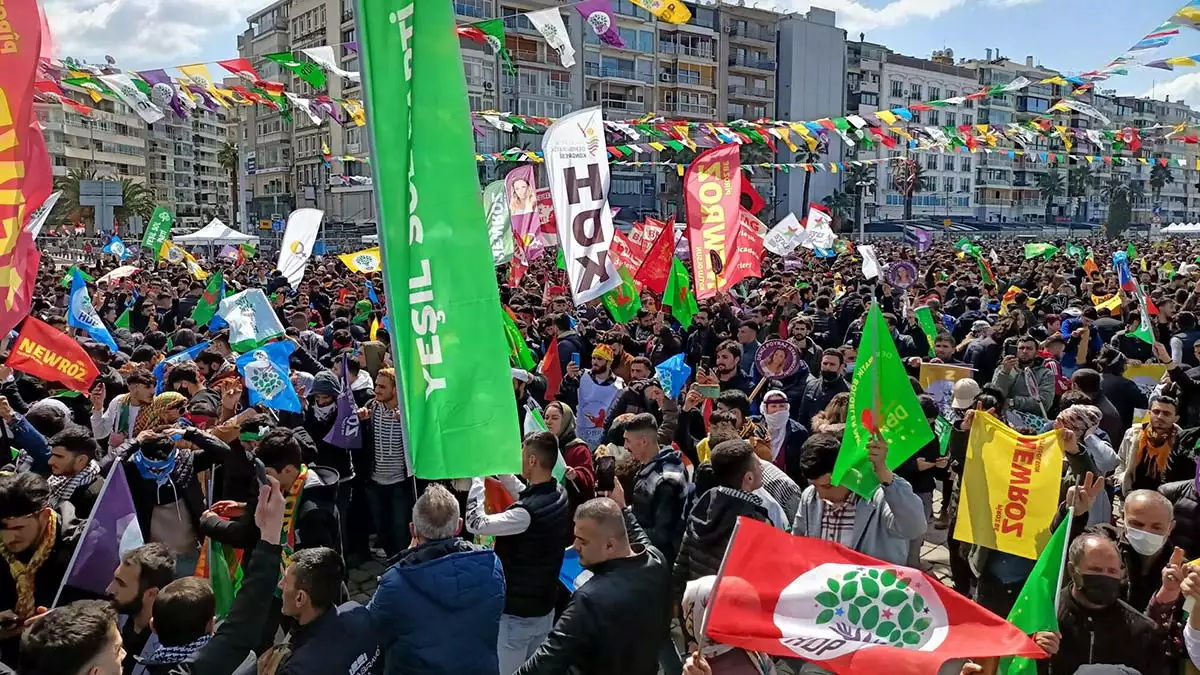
839, 204
810, 156
137, 200
859, 179
227, 157
1118, 193
1160, 177
1080, 182
909, 177
1051, 184
68, 204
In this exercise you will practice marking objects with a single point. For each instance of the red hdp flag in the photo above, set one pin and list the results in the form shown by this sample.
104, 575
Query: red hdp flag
751, 200
551, 369
845, 611
52, 355
655, 269
746, 260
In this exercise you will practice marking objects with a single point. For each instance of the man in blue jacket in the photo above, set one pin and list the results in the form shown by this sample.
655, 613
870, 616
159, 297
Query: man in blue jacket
330, 639
437, 609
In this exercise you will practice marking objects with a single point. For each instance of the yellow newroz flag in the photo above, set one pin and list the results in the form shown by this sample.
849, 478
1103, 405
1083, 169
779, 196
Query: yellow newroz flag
1010, 488
176, 255
366, 261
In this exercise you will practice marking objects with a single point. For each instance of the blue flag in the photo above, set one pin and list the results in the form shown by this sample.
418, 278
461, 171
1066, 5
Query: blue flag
371, 294
160, 371
571, 574
1121, 264
81, 313
673, 374
117, 247
266, 373
825, 253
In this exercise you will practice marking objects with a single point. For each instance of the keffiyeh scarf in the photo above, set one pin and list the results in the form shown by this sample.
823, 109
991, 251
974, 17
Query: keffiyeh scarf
178, 653
62, 488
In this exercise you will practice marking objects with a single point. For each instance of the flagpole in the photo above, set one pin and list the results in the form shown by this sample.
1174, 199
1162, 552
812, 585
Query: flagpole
712, 598
87, 527
1063, 563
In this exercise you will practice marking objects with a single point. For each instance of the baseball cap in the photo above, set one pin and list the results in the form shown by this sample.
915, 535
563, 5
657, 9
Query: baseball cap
964, 393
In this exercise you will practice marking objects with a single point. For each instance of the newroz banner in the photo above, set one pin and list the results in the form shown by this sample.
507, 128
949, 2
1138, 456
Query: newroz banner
577, 167
713, 185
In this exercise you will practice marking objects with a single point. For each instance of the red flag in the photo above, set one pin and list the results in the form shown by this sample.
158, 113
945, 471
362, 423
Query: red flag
746, 260
656, 267
751, 200
240, 66
713, 186
847, 612
52, 355
551, 369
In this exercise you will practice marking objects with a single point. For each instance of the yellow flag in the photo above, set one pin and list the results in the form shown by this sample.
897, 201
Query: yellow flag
355, 109
1010, 488
671, 11
1112, 304
1146, 375
937, 379
374, 329
175, 255
366, 261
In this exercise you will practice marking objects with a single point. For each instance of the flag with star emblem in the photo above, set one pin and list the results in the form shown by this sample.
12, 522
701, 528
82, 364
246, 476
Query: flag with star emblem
844, 611
623, 302
679, 296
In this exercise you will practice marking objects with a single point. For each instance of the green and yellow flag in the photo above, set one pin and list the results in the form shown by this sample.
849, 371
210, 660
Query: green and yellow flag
623, 302
451, 355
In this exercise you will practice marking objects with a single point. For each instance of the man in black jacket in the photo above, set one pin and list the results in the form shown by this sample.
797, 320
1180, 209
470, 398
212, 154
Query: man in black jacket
660, 484
75, 477
530, 538
820, 390
737, 473
143, 572
329, 638
618, 621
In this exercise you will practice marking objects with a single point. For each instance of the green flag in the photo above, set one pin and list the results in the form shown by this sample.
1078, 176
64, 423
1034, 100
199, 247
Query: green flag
561, 262
942, 429
928, 325
307, 71
1046, 251
518, 352
123, 320
248, 251
1131, 251
963, 244
1035, 607
1145, 329
225, 576
623, 302
448, 336
158, 230
66, 280
210, 300
493, 32
1076, 252
678, 294
897, 417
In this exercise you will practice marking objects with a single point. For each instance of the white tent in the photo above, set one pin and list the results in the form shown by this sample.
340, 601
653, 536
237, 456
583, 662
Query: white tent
215, 233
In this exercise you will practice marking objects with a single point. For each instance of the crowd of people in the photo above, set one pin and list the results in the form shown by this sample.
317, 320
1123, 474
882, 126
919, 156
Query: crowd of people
654, 483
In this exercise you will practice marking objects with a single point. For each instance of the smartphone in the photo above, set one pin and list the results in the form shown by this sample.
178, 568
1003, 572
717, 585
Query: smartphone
260, 471
1010, 348
606, 473
575, 359
709, 390
705, 363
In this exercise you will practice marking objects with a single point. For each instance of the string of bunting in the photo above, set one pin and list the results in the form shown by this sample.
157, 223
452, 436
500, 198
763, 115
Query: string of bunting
1187, 16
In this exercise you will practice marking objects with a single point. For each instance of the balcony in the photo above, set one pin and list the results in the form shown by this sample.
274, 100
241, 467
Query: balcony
596, 70
531, 56
704, 53
688, 79
738, 61
751, 32
623, 105
751, 92
692, 109
477, 9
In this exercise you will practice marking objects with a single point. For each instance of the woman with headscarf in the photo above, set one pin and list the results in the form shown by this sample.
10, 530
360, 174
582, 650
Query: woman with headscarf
581, 477
1090, 453
722, 659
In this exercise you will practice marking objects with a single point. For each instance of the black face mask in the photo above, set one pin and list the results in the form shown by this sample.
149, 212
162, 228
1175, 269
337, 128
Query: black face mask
1099, 589
828, 376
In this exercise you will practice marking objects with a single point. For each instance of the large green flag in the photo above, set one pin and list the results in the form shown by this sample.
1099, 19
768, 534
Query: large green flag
451, 355
1035, 607
623, 302
678, 294
1046, 251
70, 276
1075, 252
158, 230
225, 576
882, 401
210, 300
123, 320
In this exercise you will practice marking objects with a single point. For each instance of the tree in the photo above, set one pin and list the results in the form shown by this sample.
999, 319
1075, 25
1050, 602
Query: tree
808, 156
1160, 177
860, 179
227, 157
68, 209
909, 177
137, 200
1051, 184
1118, 193
1081, 181
839, 204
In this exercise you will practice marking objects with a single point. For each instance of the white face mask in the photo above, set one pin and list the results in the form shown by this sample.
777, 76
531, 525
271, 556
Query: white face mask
1145, 543
324, 411
777, 419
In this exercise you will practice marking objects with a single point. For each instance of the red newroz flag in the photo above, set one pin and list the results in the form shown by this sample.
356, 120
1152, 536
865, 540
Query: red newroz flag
551, 369
845, 611
656, 267
52, 355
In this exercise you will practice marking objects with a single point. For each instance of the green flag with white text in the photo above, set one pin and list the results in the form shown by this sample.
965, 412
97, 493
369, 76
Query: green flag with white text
158, 229
448, 337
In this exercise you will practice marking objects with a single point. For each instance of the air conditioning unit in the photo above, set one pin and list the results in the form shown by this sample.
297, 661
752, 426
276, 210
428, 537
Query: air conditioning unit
665, 77
488, 86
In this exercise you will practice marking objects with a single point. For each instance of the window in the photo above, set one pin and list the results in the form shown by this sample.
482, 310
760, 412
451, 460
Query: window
914, 91
948, 163
629, 9
897, 89
933, 117
935, 94
931, 162
948, 185
965, 163
950, 119
625, 185
964, 184
967, 120
869, 99
916, 117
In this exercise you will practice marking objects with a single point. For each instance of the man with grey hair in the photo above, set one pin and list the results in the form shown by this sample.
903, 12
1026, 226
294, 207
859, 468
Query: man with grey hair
439, 581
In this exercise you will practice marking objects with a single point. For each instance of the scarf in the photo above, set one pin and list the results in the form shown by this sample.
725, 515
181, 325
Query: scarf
63, 487
179, 653
1155, 449
23, 573
287, 534
151, 417
124, 411
158, 471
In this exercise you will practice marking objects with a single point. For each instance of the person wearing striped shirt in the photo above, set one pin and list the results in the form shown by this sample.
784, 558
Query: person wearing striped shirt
391, 484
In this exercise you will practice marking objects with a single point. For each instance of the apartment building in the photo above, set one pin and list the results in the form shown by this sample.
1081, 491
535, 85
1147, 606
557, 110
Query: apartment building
111, 140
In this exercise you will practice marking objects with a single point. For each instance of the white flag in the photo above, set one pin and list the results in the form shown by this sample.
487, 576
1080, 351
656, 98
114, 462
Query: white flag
820, 234
38, 218
549, 23
577, 166
786, 236
994, 258
325, 57
124, 88
870, 266
303, 104
298, 240
252, 321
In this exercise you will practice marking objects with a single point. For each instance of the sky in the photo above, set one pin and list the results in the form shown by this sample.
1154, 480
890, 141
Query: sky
1068, 35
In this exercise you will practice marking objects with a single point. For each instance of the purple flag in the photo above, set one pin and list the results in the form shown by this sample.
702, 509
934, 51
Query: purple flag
599, 16
522, 206
111, 530
164, 92
345, 432
206, 100
228, 252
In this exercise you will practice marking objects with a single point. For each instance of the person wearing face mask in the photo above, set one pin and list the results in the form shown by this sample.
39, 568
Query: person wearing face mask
785, 435
1094, 625
828, 383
